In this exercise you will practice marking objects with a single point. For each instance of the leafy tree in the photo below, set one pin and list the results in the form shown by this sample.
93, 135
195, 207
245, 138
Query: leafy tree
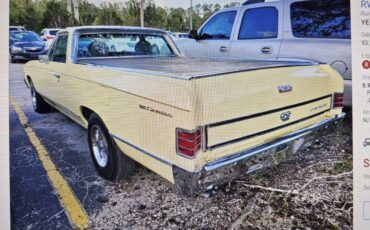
88, 12
56, 15
132, 13
207, 10
177, 20
154, 16
38, 14
233, 4
24, 13
109, 14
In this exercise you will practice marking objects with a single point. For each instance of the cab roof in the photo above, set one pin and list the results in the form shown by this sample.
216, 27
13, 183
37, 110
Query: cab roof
99, 28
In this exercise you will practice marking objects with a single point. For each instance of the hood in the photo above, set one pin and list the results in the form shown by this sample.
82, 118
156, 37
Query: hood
29, 44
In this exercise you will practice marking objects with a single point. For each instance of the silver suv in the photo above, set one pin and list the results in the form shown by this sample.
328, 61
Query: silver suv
279, 29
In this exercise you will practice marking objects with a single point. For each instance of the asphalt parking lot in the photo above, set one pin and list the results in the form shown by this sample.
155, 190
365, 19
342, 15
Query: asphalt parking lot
314, 190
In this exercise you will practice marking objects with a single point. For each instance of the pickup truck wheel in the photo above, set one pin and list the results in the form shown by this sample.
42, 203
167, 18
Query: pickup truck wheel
109, 161
39, 104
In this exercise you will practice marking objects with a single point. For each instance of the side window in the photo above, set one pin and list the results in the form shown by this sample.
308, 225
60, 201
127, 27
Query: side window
321, 19
219, 27
259, 23
58, 52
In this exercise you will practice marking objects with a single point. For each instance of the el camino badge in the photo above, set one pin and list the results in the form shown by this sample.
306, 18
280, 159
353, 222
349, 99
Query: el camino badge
285, 88
285, 116
150, 109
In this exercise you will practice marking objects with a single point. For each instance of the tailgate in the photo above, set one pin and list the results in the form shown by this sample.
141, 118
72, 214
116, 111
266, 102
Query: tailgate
240, 106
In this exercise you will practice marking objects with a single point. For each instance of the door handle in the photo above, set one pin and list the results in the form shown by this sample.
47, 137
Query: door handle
266, 50
56, 75
223, 49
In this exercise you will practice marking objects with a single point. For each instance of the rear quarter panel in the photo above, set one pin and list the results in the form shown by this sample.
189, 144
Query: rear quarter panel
127, 103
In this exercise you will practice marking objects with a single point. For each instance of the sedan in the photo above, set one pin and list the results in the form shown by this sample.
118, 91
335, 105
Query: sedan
25, 46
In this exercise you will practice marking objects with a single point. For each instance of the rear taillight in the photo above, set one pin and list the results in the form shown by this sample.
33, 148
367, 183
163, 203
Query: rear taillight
188, 143
338, 100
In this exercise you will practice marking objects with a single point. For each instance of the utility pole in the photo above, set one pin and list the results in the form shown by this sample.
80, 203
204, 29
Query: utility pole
76, 10
142, 13
73, 10
69, 6
191, 14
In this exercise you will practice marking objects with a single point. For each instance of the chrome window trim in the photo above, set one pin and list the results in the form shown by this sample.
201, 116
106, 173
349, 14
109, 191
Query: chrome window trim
77, 33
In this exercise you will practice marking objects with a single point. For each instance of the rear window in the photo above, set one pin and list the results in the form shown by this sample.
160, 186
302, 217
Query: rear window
121, 45
321, 19
259, 23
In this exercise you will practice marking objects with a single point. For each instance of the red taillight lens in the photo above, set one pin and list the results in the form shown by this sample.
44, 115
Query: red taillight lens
338, 100
188, 142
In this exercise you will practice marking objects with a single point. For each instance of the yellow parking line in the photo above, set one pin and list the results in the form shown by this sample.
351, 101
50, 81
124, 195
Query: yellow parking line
75, 212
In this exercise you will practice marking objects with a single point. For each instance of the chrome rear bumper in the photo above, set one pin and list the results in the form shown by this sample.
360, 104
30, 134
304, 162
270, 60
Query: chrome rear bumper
251, 160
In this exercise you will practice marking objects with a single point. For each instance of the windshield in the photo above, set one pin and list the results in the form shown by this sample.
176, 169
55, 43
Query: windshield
53, 32
121, 45
24, 37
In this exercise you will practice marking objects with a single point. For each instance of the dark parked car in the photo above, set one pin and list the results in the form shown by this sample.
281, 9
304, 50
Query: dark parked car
25, 46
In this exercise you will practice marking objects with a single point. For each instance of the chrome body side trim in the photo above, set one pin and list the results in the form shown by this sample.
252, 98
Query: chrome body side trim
155, 156
265, 147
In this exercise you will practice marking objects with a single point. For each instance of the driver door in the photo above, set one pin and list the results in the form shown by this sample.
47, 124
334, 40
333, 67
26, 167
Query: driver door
53, 71
214, 36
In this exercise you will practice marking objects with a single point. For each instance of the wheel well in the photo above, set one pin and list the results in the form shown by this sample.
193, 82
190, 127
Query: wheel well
28, 81
86, 112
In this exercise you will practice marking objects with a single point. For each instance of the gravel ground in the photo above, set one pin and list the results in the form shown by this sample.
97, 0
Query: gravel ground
312, 191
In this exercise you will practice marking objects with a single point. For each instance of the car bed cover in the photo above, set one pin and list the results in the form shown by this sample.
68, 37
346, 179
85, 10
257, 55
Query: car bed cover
185, 67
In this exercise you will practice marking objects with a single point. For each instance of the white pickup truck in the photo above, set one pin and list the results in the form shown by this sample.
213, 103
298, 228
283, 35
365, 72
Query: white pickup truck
279, 29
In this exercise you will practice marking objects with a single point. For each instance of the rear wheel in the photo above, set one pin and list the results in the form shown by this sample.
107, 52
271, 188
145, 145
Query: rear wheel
109, 161
39, 104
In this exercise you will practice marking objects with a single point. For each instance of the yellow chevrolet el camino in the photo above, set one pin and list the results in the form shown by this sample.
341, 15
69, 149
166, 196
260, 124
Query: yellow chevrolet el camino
195, 122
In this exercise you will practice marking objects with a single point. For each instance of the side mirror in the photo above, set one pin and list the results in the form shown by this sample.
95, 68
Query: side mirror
44, 59
193, 34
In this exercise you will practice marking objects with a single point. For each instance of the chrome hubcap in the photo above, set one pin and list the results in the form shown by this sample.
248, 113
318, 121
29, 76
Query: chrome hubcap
33, 96
99, 146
